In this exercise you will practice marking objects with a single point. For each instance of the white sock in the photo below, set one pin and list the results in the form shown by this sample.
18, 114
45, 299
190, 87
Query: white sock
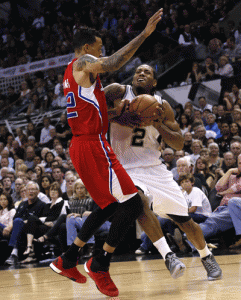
162, 247
15, 252
204, 252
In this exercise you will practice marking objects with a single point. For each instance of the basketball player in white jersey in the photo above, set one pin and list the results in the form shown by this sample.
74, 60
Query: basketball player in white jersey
137, 150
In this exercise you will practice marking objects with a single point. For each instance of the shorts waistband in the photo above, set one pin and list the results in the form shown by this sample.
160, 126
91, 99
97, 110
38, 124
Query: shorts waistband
90, 137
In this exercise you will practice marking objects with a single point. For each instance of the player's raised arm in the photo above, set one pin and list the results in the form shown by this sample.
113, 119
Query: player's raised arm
169, 128
92, 64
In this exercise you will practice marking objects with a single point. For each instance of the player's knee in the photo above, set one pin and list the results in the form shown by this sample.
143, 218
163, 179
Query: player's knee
180, 219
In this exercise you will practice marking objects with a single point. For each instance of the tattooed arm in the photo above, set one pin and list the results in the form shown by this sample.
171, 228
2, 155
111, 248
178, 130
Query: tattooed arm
91, 64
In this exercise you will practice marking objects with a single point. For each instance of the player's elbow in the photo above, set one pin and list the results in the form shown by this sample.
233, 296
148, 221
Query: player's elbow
179, 143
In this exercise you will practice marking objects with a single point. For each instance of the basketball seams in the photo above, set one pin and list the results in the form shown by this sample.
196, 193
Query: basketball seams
155, 103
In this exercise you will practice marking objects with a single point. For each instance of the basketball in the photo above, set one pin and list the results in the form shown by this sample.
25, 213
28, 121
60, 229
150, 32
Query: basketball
145, 107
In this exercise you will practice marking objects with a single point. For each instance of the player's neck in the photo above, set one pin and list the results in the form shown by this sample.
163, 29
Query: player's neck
140, 91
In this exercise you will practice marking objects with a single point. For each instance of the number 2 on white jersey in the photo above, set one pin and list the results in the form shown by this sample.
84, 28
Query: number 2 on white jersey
71, 103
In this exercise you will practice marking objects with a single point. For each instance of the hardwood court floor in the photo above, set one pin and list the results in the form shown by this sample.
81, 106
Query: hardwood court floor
140, 279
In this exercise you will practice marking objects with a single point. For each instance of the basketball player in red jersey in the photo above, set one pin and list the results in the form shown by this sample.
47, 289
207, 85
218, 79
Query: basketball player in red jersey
94, 160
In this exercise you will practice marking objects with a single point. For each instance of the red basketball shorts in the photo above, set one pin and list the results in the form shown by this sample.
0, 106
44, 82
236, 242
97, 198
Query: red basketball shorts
102, 174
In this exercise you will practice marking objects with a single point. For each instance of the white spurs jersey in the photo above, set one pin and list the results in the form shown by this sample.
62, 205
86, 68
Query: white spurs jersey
135, 147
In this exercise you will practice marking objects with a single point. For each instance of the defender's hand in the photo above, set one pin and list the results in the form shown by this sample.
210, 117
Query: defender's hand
151, 25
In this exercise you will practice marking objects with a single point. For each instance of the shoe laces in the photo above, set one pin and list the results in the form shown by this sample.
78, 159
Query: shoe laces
172, 259
210, 264
105, 276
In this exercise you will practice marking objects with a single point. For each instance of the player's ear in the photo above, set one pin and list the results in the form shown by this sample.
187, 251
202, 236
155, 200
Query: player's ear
86, 48
155, 83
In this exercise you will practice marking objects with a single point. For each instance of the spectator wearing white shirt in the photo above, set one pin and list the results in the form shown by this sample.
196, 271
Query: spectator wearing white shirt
203, 104
186, 38
198, 204
45, 132
225, 69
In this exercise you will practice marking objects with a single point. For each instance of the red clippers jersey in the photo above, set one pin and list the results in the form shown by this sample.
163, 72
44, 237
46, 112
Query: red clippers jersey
86, 107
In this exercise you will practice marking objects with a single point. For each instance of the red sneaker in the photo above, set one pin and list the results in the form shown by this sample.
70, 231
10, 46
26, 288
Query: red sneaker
68, 269
102, 280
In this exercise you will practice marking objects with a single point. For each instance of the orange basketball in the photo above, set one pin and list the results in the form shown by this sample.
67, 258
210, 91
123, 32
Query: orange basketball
145, 107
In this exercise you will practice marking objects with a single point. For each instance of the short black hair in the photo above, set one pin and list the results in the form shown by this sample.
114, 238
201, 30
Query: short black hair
186, 177
84, 35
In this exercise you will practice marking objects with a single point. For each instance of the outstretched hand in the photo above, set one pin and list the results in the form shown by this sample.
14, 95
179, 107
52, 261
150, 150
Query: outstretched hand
151, 25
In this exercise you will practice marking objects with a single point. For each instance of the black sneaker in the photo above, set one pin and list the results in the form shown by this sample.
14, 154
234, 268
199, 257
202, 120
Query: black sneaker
141, 251
174, 265
12, 260
214, 272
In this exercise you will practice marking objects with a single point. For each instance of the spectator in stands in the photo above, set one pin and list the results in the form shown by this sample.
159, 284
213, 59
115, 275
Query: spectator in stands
229, 161
59, 98
195, 75
34, 105
7, 212
7, 185
224, 141
235, 95
5, 154
24, 97
212, 125
201, 134
16, 196
37, 226
208, 70
187, 142
30, 154
168, 158
232, 51
75, 221
70, 180
235, 129
31, 129
20, 135
63, 130
58, 176
215, 50
49, 158
201, 167
46, 181
59, 150
23, 195
45, 132
236, 114
189, 42
214, 159
203, 104
225, 69
196, 148
237, 35
235, 148
220, 220
185, 123
33, 206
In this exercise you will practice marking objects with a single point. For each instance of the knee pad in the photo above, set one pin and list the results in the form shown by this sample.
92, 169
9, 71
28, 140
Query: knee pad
133, 206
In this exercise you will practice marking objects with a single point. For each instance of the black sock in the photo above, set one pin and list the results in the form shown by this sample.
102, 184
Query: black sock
101, 261
72, 253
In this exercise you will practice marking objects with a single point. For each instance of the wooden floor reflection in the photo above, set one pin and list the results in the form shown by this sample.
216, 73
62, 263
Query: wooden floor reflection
140, 279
